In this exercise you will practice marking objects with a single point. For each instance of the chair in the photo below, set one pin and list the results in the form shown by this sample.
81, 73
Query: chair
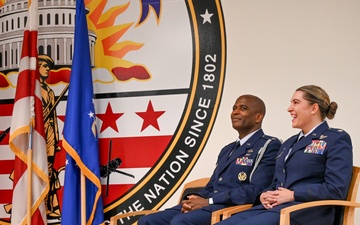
225, 213
345, 209
190, 187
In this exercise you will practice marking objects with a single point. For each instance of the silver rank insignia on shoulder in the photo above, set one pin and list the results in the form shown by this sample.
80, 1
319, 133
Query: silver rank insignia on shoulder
242, 176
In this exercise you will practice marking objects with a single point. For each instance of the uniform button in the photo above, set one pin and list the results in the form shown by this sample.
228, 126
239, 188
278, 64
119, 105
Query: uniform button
220, 178
283, 170
281, 184
215, 191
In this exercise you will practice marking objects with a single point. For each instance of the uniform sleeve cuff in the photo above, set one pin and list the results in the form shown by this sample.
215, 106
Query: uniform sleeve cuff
211, 201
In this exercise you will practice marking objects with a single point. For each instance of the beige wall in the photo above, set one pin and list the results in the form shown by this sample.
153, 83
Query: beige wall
275, 46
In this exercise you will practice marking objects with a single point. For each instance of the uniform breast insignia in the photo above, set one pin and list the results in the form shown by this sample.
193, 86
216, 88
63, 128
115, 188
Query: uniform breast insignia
242, 176
323, 136
316, 147
244, 161
249, 152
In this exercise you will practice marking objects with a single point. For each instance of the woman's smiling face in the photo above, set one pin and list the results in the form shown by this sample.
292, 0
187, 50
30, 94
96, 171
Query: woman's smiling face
301, 112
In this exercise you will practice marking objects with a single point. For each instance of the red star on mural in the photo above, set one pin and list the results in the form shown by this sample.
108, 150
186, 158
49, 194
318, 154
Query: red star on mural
109, 118
150, 117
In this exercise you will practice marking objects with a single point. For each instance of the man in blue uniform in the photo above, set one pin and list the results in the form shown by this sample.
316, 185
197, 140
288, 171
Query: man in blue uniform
244, 168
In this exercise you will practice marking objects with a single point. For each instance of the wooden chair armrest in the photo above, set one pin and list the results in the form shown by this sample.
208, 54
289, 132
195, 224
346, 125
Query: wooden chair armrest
227, 212
285, 212
216, 215
117, 217
235, 209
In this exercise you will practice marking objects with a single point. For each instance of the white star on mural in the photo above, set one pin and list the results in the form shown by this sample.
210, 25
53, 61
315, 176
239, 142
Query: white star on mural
207, 16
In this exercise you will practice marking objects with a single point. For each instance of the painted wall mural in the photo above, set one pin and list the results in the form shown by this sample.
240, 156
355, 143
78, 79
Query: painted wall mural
158, 73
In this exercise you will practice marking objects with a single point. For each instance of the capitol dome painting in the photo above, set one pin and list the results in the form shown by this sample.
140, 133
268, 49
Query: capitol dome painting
55, 33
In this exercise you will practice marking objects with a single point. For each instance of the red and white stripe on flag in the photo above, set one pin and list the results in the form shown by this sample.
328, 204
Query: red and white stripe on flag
27, 113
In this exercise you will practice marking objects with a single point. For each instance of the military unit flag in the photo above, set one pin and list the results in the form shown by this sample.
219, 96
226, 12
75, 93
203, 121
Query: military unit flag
80, 138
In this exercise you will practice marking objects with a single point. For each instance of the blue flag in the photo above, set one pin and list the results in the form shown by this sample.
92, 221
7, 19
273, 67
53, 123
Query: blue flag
80, 138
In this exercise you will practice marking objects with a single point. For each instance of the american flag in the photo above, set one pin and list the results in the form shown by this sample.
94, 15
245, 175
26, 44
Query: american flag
27, 132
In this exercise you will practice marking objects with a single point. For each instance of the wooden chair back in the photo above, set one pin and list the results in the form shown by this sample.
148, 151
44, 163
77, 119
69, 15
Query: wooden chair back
345, 214
193, 187
345, 209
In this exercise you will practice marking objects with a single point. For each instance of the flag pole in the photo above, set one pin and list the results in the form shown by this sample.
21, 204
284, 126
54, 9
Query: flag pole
29, 190
83, 199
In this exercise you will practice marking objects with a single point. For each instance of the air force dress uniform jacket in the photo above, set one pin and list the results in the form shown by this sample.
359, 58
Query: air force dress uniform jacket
318, 167
232, 182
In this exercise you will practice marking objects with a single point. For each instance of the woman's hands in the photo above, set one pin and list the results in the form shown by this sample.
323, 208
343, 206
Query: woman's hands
271, 199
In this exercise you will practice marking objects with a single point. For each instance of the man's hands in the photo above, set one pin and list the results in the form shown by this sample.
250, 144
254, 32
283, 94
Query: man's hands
193, 202
271, 199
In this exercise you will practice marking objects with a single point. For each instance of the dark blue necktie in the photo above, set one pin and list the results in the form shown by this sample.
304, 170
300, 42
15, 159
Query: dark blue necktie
234, 148
287, 155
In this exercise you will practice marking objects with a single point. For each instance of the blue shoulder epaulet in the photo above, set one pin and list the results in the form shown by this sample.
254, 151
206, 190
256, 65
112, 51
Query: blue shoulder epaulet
336, 130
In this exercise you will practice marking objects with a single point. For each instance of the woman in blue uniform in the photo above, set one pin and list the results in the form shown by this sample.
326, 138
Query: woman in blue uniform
315, 164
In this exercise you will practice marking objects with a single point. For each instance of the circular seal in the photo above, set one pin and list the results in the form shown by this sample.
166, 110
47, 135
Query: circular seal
242, 176
207, 28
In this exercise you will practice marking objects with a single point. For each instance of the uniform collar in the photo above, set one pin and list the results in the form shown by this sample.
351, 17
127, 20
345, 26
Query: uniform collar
302, 133
246, 138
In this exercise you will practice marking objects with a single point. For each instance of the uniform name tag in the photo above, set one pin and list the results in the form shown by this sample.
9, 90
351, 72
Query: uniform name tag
316, 147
